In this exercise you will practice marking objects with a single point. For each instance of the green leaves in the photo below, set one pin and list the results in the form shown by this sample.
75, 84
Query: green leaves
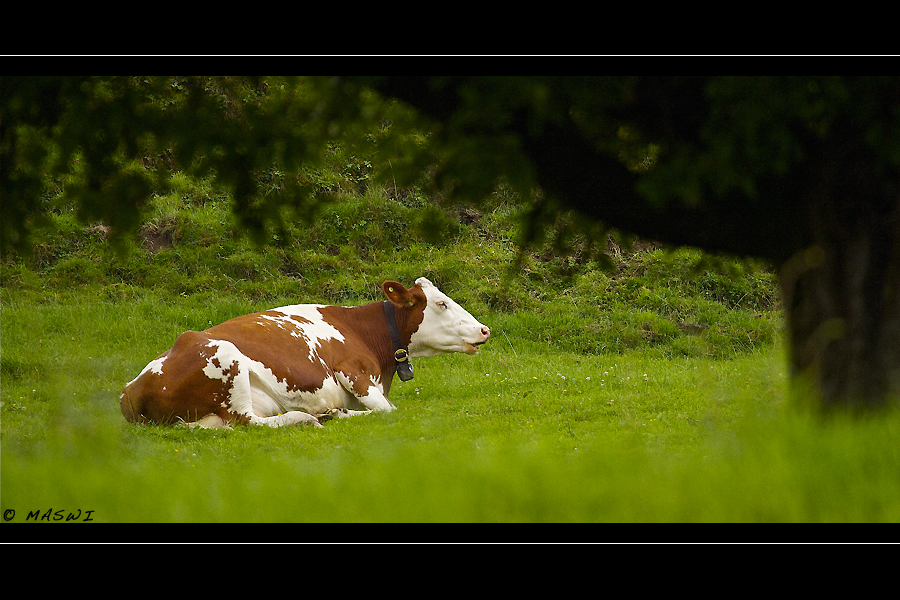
95, 131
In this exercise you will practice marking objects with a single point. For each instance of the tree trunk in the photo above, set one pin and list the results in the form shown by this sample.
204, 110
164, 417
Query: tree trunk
842, 293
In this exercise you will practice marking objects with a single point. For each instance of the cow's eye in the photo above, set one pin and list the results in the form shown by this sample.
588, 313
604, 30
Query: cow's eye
441, 303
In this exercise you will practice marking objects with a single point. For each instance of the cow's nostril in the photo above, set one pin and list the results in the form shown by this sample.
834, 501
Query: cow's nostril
485, 332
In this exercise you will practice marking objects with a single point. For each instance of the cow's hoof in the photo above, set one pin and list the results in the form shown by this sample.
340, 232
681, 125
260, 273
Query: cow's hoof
331, 413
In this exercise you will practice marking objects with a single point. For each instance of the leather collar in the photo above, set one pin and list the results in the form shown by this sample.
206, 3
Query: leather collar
401, 354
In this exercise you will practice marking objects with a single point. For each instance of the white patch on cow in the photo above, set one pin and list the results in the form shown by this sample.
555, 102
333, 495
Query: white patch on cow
283, 322
218, 366
314, 332
154, 366
256, 391
446, 326
374, 399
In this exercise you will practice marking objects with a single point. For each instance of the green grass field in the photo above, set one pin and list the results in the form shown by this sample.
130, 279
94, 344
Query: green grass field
514, 434
655, 392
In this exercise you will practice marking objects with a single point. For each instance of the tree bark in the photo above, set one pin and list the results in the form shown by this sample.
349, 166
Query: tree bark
842, 291
842, 304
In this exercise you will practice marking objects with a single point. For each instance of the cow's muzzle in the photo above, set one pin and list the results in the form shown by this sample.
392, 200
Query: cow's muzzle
485, 333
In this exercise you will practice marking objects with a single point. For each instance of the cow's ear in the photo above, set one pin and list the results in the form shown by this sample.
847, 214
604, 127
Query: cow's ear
396, 293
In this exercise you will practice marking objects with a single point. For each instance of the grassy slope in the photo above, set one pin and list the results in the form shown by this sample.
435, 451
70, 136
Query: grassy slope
650, 393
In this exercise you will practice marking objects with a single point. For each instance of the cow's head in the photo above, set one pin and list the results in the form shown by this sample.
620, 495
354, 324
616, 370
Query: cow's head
446, 326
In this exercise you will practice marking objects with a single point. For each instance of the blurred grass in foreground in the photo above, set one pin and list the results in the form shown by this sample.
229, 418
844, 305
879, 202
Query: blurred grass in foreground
507, 436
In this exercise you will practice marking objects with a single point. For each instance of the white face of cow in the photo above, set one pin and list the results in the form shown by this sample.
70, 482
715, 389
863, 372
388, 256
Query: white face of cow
446, 326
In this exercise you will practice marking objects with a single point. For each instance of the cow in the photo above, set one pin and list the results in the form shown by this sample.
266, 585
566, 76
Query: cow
300, 364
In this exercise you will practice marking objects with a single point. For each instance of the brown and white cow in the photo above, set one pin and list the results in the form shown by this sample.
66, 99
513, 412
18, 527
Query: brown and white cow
292, 364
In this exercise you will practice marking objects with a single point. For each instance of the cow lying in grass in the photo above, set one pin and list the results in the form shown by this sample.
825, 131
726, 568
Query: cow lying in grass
302, 363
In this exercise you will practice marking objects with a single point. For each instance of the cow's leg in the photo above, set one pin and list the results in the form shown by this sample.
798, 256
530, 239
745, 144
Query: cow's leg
210, 421
369, 393
293, 417
229, 364
340, 413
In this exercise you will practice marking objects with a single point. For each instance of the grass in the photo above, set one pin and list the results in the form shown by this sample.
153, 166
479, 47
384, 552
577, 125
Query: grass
518, 433
493, 438
498, 420
654, 392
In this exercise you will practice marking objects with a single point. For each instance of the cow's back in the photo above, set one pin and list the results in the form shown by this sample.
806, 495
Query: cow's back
293, 343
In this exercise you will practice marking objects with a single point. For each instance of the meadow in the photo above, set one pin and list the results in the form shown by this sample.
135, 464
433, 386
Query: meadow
651, 390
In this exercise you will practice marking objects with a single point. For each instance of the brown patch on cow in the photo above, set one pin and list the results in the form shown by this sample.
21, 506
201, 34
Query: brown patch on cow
360, 372
182, 392
408, 320
271, 343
